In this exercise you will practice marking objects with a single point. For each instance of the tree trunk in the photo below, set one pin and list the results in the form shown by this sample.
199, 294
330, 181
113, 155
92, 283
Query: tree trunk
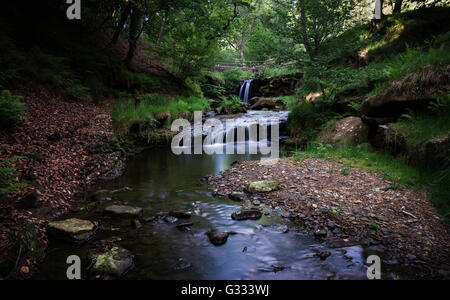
136, 22
122, 22
242, 56
398, 6
378, 9
163, 27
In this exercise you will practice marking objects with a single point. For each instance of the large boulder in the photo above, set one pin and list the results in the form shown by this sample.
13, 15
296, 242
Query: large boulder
283, 85
348, 131
390, 139
115, 262
267, 103
435, 153
73, 230
124, 211
265, 186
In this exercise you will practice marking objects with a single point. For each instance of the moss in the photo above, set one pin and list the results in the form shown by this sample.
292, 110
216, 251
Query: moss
73, 226
114, 262
262, 186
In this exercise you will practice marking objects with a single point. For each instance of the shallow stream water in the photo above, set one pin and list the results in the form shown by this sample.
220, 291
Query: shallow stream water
163, 182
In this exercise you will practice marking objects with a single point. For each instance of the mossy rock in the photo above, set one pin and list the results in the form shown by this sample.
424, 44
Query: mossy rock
262, 186
123, 211
74, 230
115, 262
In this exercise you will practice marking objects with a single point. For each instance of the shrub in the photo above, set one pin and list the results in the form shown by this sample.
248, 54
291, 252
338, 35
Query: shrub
235, 76
146, 111
77, 91
230, 106
12, 110
7, 175
212, 91
305, 120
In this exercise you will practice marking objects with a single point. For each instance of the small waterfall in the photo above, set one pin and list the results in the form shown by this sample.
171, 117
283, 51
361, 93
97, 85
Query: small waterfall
244, 92
243, 125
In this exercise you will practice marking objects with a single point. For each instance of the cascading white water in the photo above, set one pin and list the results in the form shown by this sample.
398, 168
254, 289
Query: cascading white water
244, 92
242, 125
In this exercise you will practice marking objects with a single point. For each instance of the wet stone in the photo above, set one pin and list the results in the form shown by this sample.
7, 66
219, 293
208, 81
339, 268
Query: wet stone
324, 255
115, 262
322, 233
247, 215
74, 230
218, 238
123, 211
262, 186
170, 219
283, 229
182, 264
237, 196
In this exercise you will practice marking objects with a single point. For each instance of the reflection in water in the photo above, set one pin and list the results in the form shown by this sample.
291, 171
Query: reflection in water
162, 181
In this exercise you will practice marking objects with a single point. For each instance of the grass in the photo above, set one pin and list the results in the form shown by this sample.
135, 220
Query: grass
152, 109
420, 127
277, 71
393, 169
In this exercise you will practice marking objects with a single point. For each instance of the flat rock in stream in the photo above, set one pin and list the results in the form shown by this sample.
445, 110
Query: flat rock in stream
122, 211
265, 186
73, 230
251, 214
115, 262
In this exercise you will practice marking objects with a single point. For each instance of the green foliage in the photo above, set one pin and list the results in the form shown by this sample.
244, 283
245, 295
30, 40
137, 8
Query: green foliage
12, 110
270, 72
213, 91
10, 60
306, 119
29, 242
356, 107
234, 77
8, 175
421, 127
135, 81
146, 111
50, 69
77, 91
230, 106
194, 87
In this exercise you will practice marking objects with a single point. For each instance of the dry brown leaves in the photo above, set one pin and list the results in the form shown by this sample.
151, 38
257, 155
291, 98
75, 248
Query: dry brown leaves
360, 204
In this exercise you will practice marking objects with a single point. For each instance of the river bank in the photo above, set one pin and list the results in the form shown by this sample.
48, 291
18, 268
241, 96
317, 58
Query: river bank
64, 147
342, 206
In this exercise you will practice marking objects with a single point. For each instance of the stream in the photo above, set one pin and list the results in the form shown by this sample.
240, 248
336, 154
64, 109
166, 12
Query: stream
161, 182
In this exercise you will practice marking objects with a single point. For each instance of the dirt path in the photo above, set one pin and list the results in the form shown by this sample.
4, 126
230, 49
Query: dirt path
351, 205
